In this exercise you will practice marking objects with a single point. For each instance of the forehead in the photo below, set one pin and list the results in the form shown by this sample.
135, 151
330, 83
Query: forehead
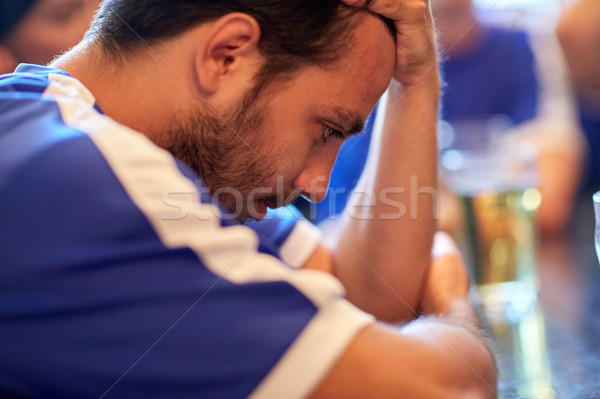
372, 44
359, 77
346, 90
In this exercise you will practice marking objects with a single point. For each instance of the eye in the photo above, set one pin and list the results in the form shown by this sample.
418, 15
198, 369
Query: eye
331, 132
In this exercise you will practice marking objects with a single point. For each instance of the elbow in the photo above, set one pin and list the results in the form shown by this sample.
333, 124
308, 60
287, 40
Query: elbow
485, 387
477, 376
477, 383
482, 382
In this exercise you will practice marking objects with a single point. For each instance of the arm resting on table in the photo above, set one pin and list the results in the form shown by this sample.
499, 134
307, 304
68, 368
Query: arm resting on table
428, 358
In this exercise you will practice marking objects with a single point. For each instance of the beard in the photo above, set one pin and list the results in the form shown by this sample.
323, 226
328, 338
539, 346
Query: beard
230, 155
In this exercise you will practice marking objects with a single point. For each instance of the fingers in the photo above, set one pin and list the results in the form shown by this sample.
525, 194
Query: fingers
356, 3
392, 9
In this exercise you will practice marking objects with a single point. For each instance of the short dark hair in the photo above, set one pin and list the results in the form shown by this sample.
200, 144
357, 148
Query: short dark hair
294, 33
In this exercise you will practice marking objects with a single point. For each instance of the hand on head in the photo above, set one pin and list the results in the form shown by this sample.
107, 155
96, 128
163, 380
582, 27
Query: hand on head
416, 54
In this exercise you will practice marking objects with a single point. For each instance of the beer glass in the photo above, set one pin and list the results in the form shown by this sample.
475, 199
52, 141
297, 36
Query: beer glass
597, 213
496, 182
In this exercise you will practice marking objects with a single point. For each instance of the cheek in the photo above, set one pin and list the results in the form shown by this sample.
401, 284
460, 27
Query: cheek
293, 155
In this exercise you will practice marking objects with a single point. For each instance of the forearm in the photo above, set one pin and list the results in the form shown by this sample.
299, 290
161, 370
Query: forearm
429, 358
384, 244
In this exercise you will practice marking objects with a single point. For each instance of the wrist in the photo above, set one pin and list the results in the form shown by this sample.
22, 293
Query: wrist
428, 75
428, 85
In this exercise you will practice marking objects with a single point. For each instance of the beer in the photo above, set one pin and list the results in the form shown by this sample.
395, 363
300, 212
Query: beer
496, 181
501, 241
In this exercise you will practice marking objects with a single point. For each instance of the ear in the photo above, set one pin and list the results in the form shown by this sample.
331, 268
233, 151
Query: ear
231, 49
7, 61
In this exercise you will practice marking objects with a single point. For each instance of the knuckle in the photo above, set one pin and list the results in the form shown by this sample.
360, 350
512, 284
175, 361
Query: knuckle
420, 7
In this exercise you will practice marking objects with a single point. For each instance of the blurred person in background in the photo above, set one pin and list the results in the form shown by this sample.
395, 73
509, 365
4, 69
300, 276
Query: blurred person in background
493, 70
488, 70
579, 34
34, 31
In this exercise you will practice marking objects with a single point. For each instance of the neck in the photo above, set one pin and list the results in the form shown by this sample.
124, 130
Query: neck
135, 92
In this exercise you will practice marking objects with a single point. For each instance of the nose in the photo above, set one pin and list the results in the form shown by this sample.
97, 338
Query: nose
314, 178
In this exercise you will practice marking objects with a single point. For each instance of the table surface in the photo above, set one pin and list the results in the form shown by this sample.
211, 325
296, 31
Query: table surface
554, 350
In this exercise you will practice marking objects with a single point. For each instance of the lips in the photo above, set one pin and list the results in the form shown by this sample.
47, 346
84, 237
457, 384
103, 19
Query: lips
272, 203
260, 209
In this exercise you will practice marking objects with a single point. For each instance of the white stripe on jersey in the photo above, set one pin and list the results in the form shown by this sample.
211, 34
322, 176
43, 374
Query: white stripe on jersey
300, 244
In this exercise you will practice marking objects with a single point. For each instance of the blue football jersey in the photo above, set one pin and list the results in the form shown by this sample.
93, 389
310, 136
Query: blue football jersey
120, 279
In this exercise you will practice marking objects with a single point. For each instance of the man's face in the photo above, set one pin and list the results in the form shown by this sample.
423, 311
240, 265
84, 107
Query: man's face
283, 143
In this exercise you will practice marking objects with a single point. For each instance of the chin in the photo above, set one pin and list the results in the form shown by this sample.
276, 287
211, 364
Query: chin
257, 210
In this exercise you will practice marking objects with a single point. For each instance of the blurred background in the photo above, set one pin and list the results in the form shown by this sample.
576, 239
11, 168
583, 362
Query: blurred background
537, 64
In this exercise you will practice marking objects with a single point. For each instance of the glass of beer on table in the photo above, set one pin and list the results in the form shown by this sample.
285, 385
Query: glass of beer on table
496, 183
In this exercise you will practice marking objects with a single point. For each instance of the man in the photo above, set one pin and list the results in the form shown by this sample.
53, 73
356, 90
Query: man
118, 282
35, 31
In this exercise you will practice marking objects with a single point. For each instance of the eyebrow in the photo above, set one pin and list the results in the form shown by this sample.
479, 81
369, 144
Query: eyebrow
350, 120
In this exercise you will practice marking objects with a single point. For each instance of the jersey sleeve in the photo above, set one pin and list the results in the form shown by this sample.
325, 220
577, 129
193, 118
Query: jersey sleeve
286, 234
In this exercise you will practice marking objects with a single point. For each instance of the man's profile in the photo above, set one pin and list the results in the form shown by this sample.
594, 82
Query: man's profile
220, 110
